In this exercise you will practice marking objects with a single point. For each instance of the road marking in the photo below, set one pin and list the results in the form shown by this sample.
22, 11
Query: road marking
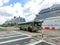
49, 43
17, 44
22, 33
11, 36
55, 38
14, 40
40, 42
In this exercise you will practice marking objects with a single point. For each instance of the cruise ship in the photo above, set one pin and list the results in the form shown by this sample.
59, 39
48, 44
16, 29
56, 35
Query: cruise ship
50, 17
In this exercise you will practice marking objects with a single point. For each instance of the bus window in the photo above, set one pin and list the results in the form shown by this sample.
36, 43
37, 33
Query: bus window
35, 24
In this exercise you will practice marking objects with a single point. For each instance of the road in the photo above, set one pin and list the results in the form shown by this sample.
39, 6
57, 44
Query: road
52, 36
9, 37
14, 38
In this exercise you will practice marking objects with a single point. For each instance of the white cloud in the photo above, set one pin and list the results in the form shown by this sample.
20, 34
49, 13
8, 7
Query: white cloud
49, 3
30, 18
30, 9
15, 10
11, 11
2, 19
3, 1
34, 6
6, 11
18, 10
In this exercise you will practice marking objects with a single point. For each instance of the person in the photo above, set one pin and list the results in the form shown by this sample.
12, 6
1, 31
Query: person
29, 28
35, 29
21, 28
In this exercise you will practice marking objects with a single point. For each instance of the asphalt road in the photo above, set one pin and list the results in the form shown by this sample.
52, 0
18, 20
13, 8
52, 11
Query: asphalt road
8, 37
43, 43
14, 38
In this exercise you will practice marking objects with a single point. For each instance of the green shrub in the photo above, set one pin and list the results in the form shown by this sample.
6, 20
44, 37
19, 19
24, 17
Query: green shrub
6, 25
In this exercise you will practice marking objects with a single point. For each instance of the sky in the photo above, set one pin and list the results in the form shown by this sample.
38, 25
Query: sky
27, 9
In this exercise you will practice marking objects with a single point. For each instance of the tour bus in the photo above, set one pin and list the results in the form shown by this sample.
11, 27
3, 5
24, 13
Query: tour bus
32, 26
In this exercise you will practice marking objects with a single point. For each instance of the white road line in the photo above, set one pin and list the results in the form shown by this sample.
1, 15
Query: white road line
40, 42
22, 33
8, 34
49, 43
56, 38
14, 40
11, 36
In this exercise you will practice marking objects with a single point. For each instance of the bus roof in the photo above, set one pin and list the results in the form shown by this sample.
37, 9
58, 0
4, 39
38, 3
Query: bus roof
31, 22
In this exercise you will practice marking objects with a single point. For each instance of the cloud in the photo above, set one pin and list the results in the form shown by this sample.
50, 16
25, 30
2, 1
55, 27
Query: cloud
2, 19
30, 18
18, 9
15, 10
34, 6
10, 11
3, 1
49, 3
4, 13
28, 11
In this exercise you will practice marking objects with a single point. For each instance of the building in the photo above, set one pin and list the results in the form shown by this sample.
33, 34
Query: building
50, 16
15, 20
